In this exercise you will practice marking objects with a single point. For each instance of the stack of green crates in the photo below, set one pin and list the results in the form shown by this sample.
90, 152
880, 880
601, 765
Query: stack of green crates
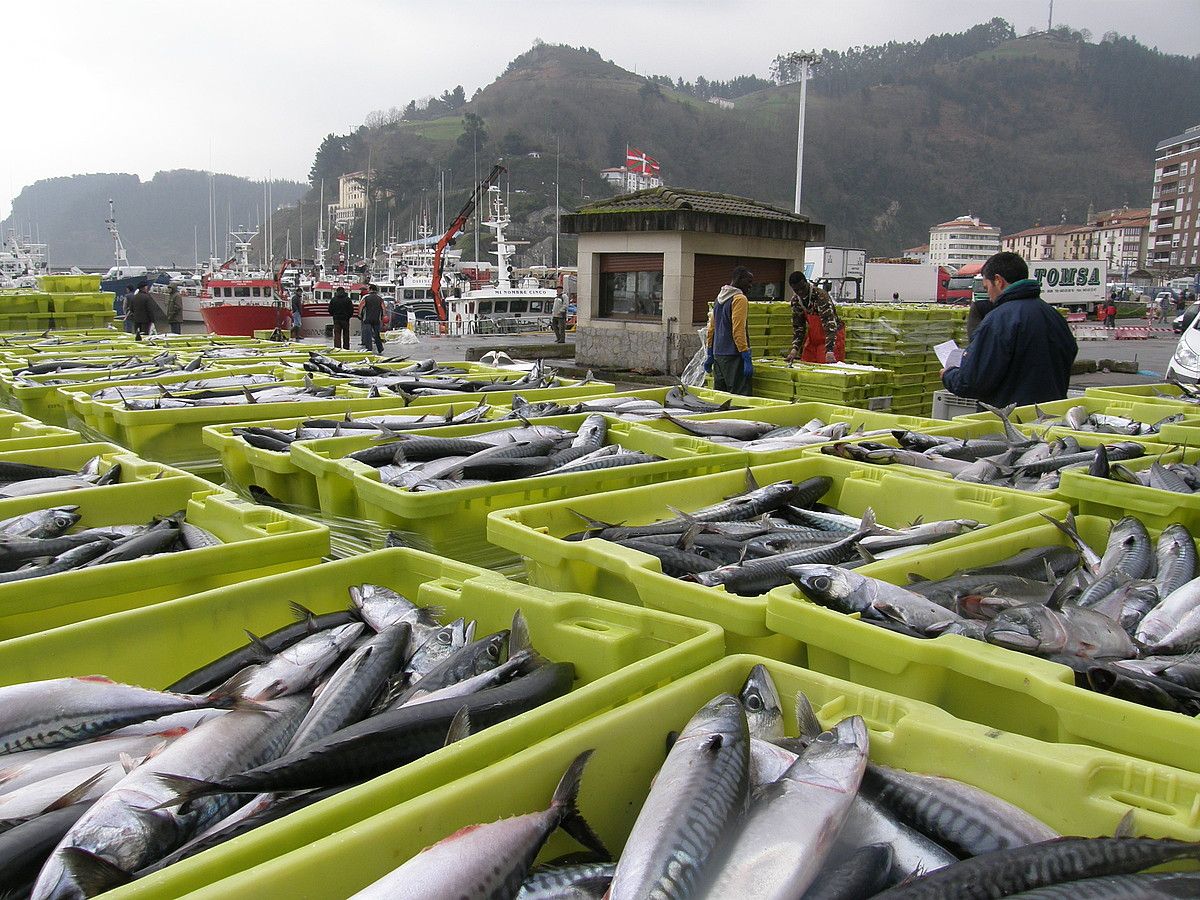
61, 302
901, 337
863, 387
21, 309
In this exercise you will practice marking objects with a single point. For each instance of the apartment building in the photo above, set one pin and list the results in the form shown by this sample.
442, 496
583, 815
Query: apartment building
1122, 236
961, 241
1038, 243
1116, 236
1174, 237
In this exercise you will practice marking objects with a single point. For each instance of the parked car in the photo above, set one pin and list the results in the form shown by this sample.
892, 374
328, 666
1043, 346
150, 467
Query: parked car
1185, 318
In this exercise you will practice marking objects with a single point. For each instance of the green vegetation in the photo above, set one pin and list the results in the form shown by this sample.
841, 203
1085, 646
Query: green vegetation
900, 136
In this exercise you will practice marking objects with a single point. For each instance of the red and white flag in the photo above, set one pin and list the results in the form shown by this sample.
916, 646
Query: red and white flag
642, 163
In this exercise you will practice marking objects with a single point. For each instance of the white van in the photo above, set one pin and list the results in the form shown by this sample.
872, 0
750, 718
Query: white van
1185, 363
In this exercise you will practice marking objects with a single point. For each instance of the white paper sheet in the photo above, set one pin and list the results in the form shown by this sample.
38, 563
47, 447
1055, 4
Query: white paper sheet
949, 354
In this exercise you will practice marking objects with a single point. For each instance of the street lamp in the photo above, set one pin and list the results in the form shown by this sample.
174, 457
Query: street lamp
806, 62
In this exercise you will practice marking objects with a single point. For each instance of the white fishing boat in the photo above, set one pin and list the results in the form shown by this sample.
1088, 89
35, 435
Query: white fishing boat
21, 260
509, 303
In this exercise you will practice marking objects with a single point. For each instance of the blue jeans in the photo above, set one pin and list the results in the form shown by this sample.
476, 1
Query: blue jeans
370, 336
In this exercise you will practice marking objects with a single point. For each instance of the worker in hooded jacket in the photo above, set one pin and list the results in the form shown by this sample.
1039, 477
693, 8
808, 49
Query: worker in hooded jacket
728, 339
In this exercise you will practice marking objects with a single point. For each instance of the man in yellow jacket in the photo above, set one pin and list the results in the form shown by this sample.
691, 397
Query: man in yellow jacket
728, 340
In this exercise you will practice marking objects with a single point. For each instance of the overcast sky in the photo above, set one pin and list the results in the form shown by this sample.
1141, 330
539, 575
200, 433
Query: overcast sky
251, 86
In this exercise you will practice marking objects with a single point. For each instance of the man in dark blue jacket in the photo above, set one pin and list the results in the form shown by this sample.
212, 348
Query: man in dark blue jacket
1023, 350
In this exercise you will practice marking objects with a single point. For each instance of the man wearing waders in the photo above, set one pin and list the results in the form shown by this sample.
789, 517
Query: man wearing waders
727, 339
818, 335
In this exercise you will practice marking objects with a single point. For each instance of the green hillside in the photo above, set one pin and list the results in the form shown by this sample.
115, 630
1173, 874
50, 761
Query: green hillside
1015, 130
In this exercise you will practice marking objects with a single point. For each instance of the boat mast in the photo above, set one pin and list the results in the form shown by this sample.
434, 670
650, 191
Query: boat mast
119, 257
319, 247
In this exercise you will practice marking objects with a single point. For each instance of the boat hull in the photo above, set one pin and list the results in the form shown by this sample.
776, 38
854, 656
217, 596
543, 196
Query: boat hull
245, 317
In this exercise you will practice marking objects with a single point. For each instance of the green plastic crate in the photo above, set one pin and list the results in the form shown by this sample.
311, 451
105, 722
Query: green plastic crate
276, 473
19, 432
1075, 790
73, 456
35, 395
256, 541
1144, 393
51, 403
22, 301
799, 414
176, 435
659, 394
965, 427
454, 522
81, 302
619, 573
1104, 497
1129, 409
980, 682
566, 387
619, 652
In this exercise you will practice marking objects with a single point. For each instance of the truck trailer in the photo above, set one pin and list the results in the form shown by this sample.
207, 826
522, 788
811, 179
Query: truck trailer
1080, 285
839, 270
914, 282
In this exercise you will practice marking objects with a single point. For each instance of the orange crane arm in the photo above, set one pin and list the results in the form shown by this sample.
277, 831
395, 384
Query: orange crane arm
456, 226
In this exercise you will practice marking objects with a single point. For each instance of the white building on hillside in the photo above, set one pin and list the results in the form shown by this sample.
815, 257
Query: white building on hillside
352, 197
627, 181
961, 241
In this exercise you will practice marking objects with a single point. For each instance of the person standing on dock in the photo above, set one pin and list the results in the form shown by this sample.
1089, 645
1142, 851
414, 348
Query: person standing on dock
139, 311
128, 321
175, 309
341, 310
728, 339
818, 335
297, 312
558, 318
1023, 350
370, 310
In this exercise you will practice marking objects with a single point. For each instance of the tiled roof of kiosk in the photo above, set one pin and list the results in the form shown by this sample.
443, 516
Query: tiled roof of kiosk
665, 199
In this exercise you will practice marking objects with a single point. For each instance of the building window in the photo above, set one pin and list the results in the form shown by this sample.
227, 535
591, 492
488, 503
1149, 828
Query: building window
631, 286
631, 295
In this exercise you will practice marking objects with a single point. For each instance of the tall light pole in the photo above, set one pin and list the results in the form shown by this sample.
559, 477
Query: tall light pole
806, 63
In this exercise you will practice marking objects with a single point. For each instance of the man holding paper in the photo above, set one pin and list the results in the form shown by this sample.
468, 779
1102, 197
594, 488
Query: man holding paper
1022, 352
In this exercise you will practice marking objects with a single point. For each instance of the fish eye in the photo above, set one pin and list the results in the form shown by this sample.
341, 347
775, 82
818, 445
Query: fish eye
445, 637
493, 651
822, 582
754, 702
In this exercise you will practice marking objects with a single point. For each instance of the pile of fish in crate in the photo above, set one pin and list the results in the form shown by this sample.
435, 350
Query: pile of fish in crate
756, 648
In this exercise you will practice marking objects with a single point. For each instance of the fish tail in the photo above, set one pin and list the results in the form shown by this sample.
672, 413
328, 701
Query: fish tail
566, 796
592, 524
90, 873
1067, 527
186, 789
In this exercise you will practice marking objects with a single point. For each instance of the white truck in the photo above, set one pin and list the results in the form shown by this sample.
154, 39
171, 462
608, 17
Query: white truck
914, 282
839, 270
1078, 283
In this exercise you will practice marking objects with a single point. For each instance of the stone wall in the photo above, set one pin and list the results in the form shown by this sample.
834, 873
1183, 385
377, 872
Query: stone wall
614, 345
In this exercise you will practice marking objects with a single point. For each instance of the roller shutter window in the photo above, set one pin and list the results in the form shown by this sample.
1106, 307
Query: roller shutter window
712, 273
631, 286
